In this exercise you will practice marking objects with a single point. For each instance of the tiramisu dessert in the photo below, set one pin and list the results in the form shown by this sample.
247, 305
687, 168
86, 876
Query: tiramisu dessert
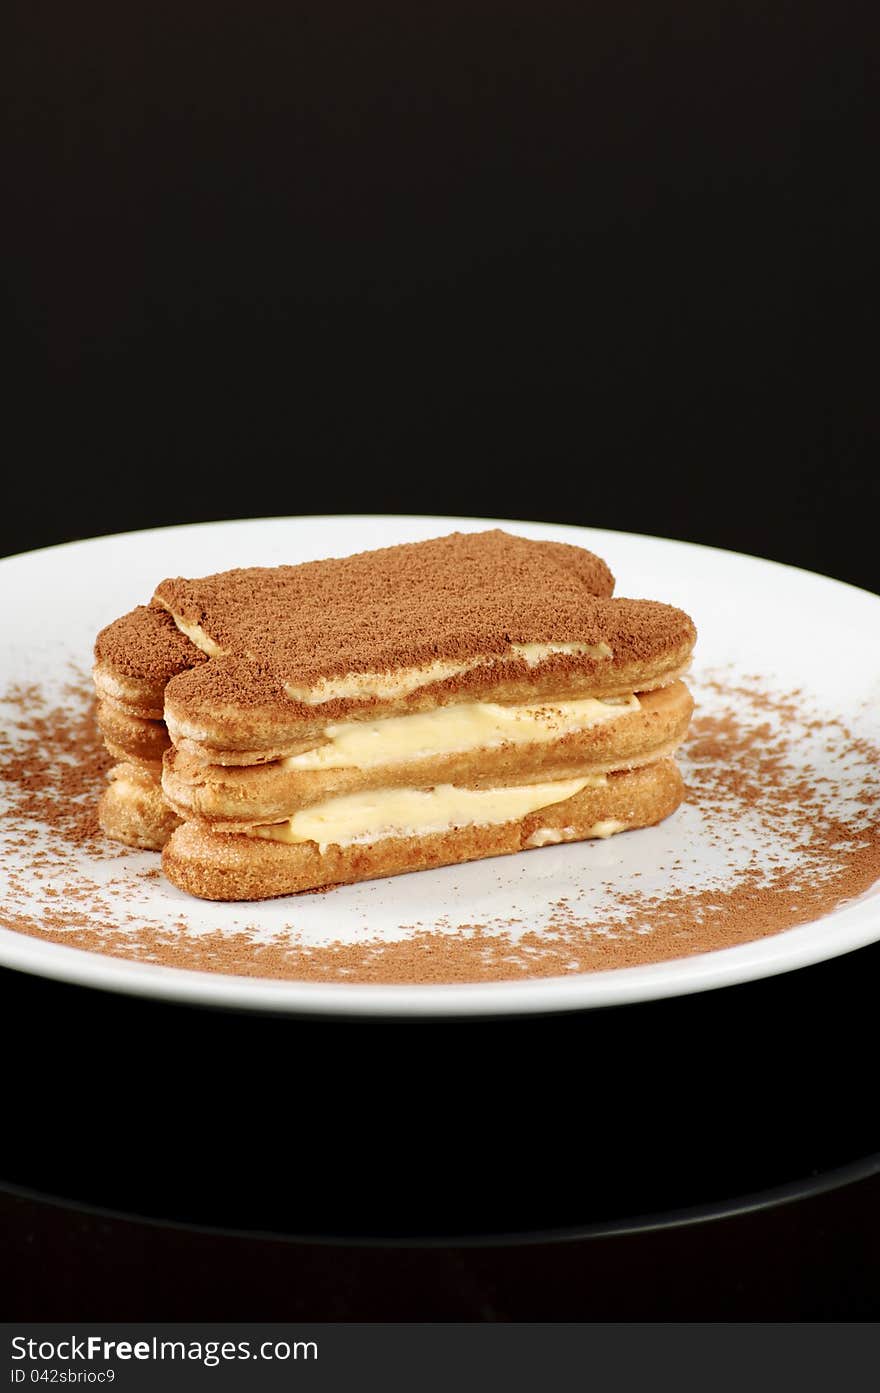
282, 729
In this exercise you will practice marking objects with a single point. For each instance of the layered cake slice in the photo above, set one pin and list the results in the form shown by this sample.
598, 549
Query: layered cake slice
405, 708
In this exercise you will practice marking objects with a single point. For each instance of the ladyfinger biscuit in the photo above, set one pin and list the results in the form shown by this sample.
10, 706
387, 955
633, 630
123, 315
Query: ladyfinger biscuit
470, 617
219, 865
132, 810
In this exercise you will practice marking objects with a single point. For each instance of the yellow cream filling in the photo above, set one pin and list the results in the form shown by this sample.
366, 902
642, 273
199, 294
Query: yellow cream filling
416, 812
552, 836
454, 729
196, 634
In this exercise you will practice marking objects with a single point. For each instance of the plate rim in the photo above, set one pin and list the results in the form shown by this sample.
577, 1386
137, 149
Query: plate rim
785, 951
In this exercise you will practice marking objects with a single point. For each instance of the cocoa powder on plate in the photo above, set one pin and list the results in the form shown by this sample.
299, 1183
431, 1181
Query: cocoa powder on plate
819, 828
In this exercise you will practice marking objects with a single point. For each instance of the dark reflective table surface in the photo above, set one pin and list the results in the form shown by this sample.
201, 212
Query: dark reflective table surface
710, 1157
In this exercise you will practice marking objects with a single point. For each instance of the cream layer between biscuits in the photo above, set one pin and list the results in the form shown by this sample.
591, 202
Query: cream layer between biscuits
455, 729
374, 814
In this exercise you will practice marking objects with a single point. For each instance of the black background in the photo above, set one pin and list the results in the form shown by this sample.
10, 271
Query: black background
605, 264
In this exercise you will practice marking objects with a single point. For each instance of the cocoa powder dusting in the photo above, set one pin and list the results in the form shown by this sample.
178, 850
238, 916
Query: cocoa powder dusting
462, 597
146, 643
52, 760
750, 763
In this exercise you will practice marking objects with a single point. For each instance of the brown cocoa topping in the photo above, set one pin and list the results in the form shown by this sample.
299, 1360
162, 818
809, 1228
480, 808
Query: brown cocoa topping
146, 643
455, 598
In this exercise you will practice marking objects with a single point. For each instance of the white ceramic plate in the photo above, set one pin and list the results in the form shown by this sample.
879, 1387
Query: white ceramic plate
797, 629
